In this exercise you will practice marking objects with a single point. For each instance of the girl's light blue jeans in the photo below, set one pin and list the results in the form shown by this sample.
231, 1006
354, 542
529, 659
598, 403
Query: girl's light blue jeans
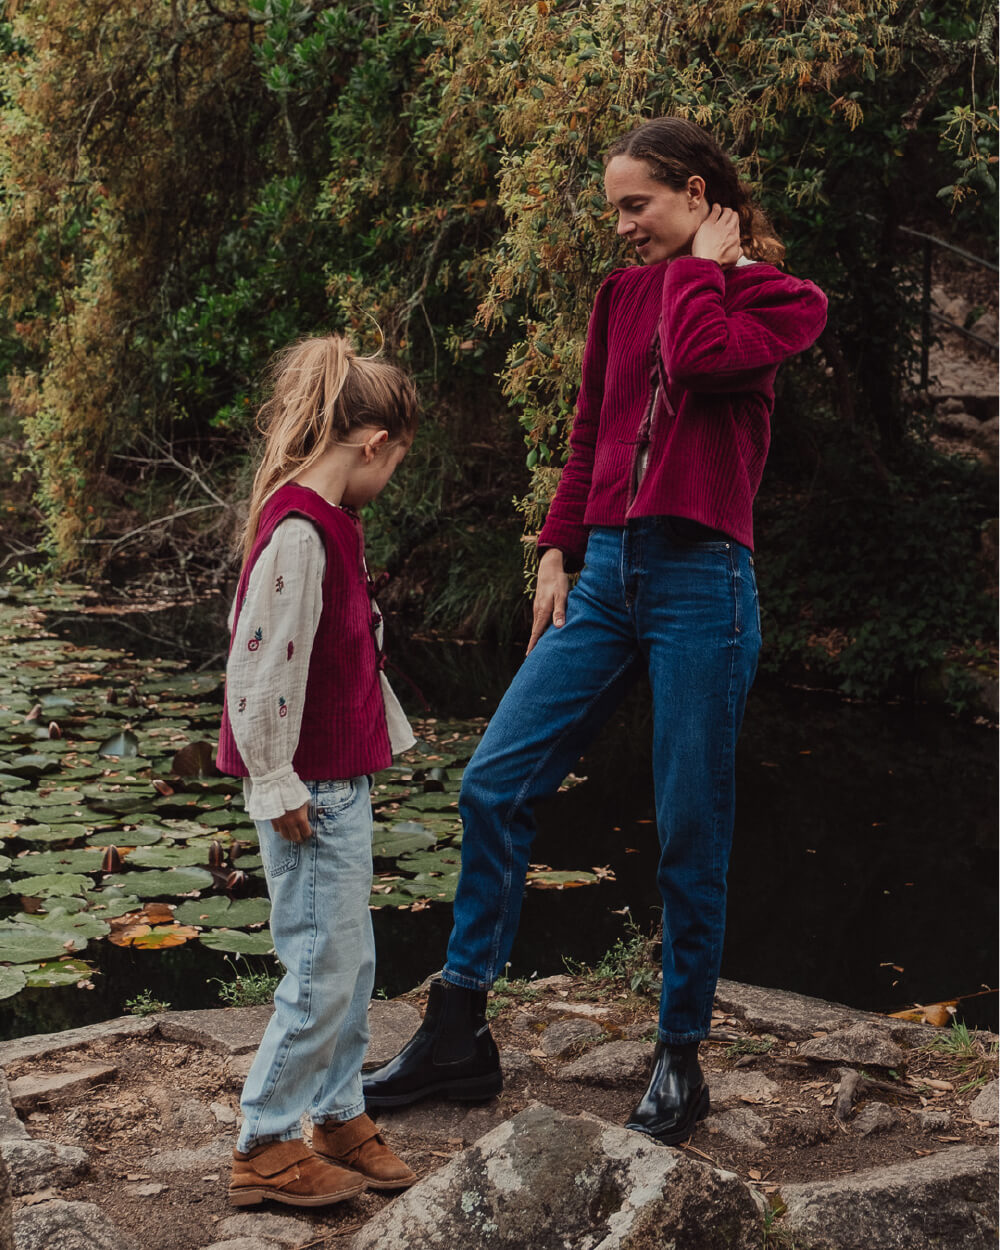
687, 613
310, 1057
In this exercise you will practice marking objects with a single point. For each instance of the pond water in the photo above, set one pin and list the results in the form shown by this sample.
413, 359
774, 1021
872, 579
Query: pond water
863, 868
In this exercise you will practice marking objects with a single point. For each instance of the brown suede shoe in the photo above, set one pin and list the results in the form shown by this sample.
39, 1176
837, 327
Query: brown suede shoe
289, 1172
357, 1144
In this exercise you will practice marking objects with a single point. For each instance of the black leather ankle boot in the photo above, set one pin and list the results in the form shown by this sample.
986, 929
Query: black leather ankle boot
452, 1053
676, 1098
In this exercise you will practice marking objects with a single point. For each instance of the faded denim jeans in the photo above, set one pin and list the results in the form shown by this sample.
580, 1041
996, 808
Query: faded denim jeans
310, 1057
687, 613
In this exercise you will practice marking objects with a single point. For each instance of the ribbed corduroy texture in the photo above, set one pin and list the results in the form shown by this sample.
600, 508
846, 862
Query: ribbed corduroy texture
722, 335
343, 731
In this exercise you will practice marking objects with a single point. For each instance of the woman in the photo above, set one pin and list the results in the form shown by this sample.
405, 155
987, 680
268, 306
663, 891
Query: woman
666, 455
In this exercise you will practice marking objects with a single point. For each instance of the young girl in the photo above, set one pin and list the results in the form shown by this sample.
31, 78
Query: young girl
655, 502
308, 717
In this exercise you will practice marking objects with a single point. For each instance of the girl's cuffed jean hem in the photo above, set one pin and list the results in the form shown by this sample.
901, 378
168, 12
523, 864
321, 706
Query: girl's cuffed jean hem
686, 614
309, 1061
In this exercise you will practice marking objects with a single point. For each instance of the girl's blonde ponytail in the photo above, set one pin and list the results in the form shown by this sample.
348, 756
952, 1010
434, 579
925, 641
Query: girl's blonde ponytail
321, 390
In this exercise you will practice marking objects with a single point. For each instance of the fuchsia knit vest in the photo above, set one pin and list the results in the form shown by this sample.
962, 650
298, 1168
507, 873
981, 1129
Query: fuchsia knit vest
344, 732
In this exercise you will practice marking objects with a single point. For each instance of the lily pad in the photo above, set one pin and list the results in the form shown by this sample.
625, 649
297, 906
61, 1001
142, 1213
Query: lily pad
164, 935
52, 885
12, 981
27, 944
8, 781
57, 972
168, 856
216, 911
124, 745
51, 833
31, 765
73, 859
197, 759
123, 837
111, 902
74, 923
434, 802
549, 880
168, 883
398, 839
237, 943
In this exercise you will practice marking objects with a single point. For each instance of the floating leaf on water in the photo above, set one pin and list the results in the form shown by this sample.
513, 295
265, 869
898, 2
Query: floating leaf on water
237, 943
5, 863
31, 765
166, 883
69, 924
216, 911
448, 800
445, 859
220, 820
166, 856
124, 745
111, 902
8, 781
27, 944
161, 936
549, 880
52, 885
72, 859
395, 841
197, 759
58, 972
123, 837
12, 981
51, 833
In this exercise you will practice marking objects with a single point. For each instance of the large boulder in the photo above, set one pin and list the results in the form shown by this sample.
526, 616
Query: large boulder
59, 1225
551, 1180
945, 1201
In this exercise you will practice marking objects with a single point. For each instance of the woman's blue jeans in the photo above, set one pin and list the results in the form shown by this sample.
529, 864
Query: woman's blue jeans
310, 1057
688, 613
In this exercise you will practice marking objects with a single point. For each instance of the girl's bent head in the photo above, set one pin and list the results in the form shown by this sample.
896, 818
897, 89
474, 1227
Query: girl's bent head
323, 394
677, 155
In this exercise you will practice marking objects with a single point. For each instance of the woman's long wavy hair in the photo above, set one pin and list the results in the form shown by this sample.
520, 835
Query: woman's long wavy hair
321, 390
674, 149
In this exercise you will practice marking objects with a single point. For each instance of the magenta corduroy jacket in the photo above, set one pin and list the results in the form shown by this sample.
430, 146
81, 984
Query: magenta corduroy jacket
721, 335
344, 731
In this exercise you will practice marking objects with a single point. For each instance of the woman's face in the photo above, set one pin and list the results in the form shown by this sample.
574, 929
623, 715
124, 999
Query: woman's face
657, 220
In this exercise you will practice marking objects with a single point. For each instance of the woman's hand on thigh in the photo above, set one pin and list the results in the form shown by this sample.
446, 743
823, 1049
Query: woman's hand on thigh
551, 591
294, 826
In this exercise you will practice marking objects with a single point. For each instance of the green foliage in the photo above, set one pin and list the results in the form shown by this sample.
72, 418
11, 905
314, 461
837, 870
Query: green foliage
186, 187
631, 963
247, 988
144, 1004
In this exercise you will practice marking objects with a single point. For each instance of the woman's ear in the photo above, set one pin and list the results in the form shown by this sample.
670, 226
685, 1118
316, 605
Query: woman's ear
696, 191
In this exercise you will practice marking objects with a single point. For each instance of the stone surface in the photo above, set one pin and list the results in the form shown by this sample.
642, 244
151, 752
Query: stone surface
244, 1243
932, 1121
263, 1226
197, 1158
544, 1179
442, 1121
563, 1038
40, 1164
516, 1063
796, 1017
10, 1123
226, 1030
151, 1190
223, 1113
610, 1064
392, 1024
877, 1117
984, 1106
739, 1124
642, 1030
566, 1008
42, 1088
946, 1201
866, 1044
58, 1225
752, 1087
6, 1209
40, 1044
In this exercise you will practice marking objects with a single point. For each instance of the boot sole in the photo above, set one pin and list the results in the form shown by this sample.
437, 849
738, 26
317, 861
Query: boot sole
369, 1181
683, 1132
247, 1197
472, 1089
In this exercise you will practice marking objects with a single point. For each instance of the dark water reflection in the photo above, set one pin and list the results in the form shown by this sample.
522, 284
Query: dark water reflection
863, 869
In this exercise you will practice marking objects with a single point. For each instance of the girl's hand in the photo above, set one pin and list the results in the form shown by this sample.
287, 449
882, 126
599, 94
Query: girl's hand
294, 826
550, 595
718, 237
